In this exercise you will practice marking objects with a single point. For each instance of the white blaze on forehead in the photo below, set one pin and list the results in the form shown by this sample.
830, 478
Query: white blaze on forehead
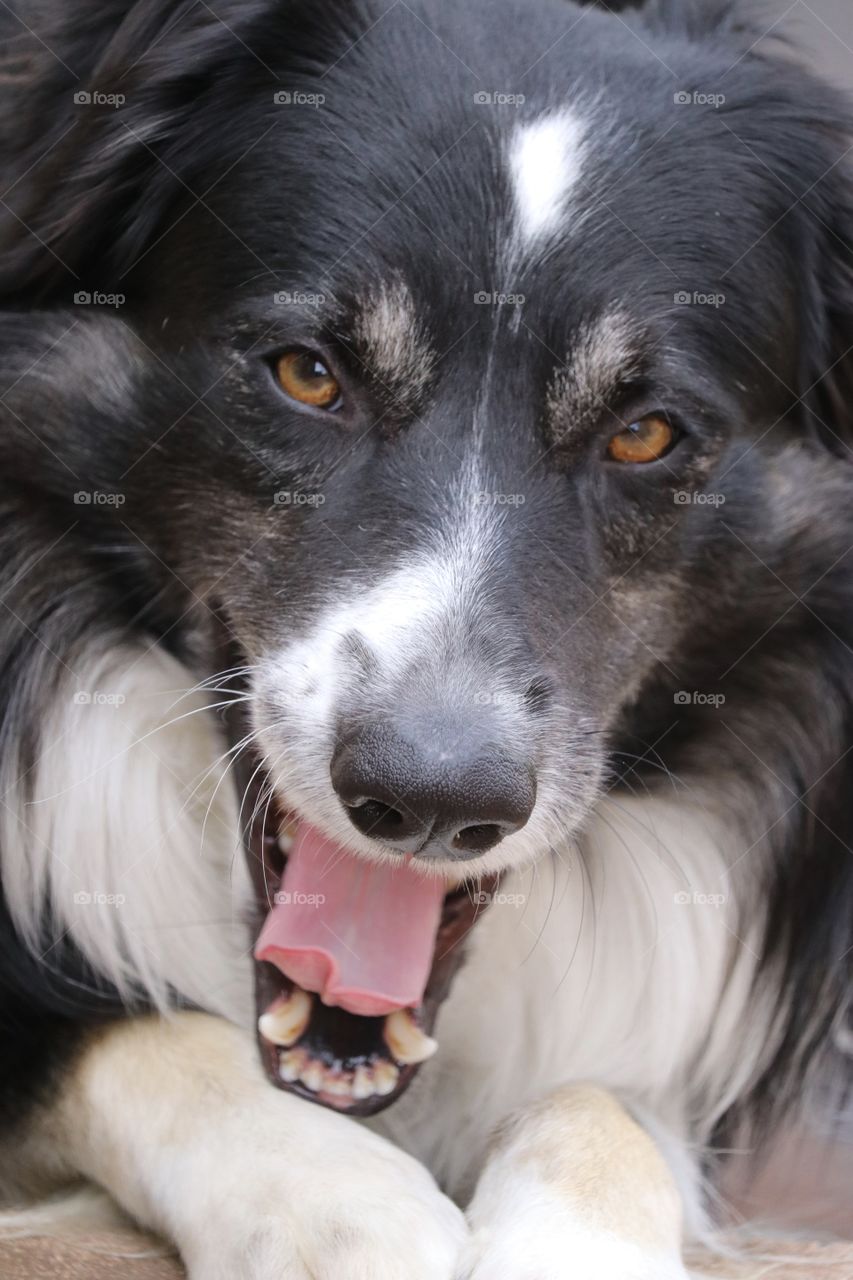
545, 161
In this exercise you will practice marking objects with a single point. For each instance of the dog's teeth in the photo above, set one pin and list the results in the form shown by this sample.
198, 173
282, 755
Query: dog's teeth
408, 1044
385, 1078
362, 1084
291, 1065
337, 1086
286, 832
286, 1021
312, 1076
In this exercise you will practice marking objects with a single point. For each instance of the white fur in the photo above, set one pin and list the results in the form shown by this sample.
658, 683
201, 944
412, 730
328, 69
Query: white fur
545, 163
131, 834
522, 1229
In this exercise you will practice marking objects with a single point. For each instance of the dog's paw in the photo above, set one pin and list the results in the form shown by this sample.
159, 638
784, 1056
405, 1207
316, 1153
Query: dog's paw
574, 1190
521, 1251
339, 1203
530, 1233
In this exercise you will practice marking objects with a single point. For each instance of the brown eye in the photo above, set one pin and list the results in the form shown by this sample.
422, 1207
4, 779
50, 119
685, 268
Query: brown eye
642, 441
305, 378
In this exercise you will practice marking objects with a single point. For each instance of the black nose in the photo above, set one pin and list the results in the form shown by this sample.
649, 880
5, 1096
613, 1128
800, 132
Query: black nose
430, 799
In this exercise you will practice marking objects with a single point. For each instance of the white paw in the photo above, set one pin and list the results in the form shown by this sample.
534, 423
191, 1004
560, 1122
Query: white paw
532, 1234
523, 1254
298, 1193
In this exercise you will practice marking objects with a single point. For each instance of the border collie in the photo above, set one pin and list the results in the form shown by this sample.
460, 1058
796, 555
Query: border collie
427, 647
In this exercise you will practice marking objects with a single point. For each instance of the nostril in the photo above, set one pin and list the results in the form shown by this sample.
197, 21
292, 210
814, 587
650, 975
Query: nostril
478, 837
374, 817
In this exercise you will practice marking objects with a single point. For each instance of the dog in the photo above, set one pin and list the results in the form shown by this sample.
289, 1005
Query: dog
427, 682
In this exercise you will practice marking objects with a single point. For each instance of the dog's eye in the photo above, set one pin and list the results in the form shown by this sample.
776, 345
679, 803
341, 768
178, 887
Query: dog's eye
307, 379
642, 441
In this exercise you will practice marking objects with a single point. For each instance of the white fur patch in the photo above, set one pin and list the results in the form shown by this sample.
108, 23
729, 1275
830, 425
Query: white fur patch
131, 835
522, 1230
545, 163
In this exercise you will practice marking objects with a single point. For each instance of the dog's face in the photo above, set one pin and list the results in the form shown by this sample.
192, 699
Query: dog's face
489, 358
485, 353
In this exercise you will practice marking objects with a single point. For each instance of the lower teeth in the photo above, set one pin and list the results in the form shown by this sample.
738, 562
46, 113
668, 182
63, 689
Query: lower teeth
377, 1079
286, 1021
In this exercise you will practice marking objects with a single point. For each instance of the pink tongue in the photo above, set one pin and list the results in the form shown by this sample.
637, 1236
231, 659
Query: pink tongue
360, 934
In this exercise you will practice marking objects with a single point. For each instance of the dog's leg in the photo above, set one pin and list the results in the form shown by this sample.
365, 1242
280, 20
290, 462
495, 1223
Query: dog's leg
176, 1119
575, 1188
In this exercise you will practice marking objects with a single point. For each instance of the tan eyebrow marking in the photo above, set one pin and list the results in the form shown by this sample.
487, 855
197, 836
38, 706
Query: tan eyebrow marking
393, 340
603, 354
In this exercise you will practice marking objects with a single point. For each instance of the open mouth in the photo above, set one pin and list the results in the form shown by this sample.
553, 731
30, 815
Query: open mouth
353, 960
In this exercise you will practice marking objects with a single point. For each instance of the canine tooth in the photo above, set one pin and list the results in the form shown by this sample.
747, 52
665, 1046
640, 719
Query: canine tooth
286, 833
385, 1078
362, 1084
312, 1076
285, 1022
291, 1065
403, 1036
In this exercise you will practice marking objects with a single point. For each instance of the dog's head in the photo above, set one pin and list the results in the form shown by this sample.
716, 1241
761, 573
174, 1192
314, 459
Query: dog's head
465, 348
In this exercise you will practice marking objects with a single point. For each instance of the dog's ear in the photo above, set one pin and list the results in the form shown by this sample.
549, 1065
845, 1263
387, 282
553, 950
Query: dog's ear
110, 149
